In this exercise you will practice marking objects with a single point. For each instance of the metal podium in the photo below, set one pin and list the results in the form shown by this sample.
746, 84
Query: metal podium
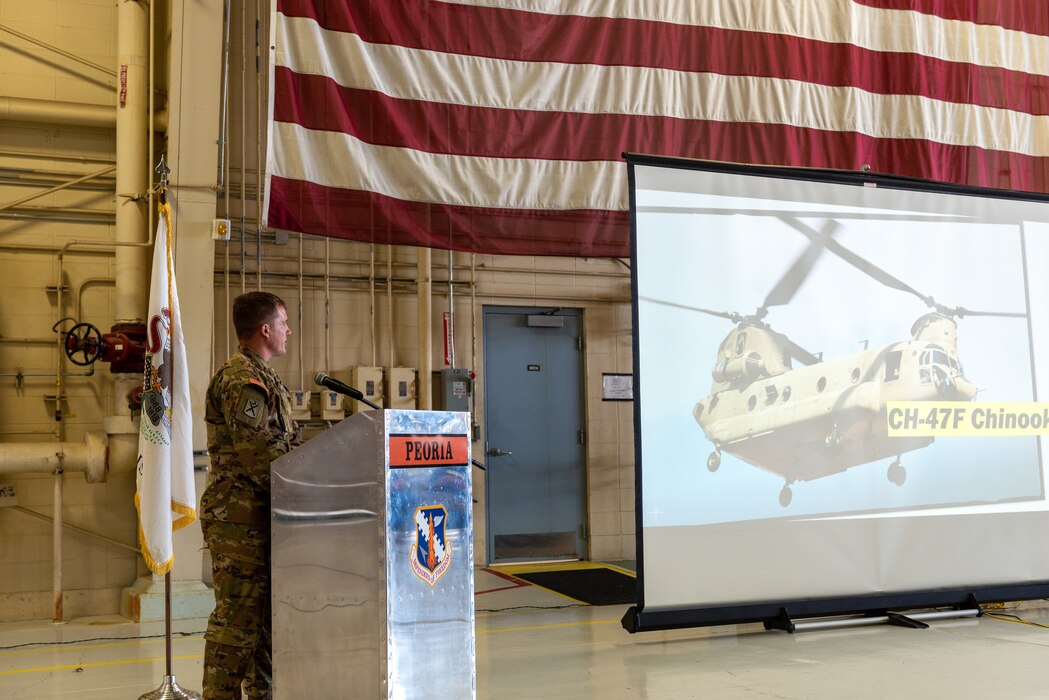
372, 560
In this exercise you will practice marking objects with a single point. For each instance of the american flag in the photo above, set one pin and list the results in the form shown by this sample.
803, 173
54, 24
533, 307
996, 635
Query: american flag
498, 126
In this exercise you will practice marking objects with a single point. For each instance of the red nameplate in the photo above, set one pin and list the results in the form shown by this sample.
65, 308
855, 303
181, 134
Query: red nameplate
429, 451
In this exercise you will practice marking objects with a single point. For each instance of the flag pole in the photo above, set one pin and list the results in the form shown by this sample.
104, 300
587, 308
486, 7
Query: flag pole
169, 689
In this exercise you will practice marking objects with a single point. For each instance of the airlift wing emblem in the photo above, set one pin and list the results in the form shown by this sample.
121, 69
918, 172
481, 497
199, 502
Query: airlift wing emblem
431, 555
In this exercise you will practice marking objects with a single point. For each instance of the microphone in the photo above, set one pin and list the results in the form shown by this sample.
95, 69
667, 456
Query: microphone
338, 387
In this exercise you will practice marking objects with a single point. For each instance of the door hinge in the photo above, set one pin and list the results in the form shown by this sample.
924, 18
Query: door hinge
584, 531
579, 342
582, 437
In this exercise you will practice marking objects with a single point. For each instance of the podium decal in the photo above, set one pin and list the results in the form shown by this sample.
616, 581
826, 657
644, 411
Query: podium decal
431, 555
429, 451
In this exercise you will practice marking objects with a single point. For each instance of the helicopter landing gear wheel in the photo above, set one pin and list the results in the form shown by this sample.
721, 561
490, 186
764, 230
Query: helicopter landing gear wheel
785, 496
83, 344
897, 474
713, 461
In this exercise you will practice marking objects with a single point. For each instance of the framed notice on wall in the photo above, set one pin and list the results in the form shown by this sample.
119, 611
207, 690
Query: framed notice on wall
617, 387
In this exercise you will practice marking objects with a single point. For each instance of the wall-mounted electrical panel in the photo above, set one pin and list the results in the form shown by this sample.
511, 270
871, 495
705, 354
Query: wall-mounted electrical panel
400, 388
367, 380
300, 404
328, 405
452, 389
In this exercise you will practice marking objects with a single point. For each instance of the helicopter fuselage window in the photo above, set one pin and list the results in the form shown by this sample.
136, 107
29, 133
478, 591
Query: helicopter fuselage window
741, 343
892, 366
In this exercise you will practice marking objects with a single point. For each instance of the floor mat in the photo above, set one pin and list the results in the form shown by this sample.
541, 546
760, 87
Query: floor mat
593, 586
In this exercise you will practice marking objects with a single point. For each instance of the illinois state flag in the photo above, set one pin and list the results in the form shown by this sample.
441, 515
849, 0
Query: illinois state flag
165, 498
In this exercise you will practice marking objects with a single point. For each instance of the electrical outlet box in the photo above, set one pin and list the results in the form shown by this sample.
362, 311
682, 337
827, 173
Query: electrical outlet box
220, 229
300, 404
330, 406
400, 388
8, 495
367, 380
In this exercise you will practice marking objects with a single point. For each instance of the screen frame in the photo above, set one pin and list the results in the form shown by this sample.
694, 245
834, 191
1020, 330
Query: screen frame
780, 614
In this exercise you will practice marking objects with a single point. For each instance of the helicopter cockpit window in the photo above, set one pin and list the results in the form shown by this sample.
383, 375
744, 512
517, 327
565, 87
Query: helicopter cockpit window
933, 355
741, 343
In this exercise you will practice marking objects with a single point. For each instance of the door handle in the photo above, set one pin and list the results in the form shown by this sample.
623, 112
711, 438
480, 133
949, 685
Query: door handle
496, 452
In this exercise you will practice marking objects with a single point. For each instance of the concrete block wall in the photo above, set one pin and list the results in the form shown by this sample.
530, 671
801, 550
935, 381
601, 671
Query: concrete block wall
601, 288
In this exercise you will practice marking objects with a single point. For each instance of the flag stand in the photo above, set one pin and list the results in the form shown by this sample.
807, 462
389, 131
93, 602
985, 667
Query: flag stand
169, 689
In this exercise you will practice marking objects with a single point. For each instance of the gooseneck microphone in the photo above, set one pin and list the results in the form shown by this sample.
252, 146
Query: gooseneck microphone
338, 387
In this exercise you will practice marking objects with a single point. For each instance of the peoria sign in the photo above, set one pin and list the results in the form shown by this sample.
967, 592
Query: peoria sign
429, 451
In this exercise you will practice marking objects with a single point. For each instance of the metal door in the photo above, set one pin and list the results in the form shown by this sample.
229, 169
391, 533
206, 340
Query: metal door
534, 446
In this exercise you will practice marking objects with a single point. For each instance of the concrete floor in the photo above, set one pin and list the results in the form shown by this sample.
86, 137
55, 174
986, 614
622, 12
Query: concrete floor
530, 646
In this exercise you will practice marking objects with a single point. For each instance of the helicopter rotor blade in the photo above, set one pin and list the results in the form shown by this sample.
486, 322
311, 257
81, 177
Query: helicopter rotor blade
962, 312
730, 315
789, 283
796, 351
864, 265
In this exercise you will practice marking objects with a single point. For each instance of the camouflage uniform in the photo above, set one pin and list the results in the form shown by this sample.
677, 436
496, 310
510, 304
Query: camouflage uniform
248, 413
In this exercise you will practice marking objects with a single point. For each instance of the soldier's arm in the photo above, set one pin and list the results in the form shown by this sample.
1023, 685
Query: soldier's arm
247, 407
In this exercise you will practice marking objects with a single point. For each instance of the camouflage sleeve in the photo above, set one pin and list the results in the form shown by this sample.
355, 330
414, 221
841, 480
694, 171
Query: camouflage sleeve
250, 412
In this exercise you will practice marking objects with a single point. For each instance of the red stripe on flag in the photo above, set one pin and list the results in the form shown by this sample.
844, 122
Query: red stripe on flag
539, 37
1031, 16
318, 103
374, 218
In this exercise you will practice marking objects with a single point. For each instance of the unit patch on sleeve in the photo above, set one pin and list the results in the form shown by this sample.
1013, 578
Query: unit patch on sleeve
251, 406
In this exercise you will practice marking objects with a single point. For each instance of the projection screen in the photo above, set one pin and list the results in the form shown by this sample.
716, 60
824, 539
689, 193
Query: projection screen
838, 393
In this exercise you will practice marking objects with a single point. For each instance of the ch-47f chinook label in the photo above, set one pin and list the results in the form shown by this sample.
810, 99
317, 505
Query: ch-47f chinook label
967, 418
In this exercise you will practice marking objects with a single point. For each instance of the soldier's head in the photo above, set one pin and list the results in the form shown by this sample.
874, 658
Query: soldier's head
261, 322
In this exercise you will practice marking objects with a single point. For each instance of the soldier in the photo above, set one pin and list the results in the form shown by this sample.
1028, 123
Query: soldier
248, 413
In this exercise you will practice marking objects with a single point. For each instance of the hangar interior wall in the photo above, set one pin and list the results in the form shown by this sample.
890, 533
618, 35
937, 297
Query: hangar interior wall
81, 81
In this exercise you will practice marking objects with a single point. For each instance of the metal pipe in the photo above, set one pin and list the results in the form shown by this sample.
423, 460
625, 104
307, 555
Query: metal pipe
302, 365
371, 300
56, 188
55, 156
881, 619
80, 291
451, 314
425, 301
58, 215
259, 117
224, 115
243, 185
389, 304
90, 457
133, 159
71, 56
28, 341
50, 249
79, 530
56, 544
25, 109
327, 305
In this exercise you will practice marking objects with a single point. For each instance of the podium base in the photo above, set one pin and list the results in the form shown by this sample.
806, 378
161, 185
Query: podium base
170, 690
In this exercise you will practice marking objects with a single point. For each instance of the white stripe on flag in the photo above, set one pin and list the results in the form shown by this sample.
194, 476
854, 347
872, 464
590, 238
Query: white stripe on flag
524, 85
518, 183
835, 21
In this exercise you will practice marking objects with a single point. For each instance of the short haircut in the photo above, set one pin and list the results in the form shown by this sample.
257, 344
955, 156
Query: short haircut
252, 310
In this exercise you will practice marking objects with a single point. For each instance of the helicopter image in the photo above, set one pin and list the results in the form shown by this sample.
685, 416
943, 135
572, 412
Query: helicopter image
825, 416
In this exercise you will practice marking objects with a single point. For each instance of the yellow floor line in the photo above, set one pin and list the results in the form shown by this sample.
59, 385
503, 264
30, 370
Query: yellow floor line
96, 665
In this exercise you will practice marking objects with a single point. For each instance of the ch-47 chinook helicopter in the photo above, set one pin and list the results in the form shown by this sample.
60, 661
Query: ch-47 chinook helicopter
829, 415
